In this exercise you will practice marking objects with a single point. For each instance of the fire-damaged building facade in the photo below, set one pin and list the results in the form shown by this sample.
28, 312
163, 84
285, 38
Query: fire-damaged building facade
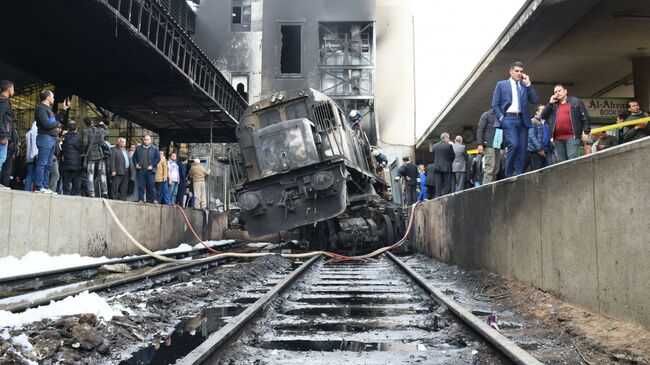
359, 53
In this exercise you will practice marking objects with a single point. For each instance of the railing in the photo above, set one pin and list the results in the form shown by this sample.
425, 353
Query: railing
182, 12
237, 172
218, 186
161, 31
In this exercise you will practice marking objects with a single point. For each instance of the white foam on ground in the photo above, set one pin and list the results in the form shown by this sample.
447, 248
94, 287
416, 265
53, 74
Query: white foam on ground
23, 341
40, 294
38, 261
82, 303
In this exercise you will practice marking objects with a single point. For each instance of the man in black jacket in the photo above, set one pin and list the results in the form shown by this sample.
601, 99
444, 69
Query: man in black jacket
120, 167
567, 119
48, 130
409, 172
12, 155
71, 161
93, 138
6, 120
182, 180
485, 138
443, 156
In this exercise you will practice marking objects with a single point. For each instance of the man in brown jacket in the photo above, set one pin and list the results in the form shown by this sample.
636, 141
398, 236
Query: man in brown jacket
197, 175
162, 173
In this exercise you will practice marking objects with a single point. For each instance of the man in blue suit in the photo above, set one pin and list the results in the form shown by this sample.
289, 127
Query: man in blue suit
510, 105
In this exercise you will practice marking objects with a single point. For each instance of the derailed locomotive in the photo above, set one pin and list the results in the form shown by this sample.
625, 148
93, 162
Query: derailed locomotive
307, 169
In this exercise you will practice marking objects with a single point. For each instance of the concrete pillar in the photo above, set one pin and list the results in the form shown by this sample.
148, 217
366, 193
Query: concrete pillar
83, 110
641, 75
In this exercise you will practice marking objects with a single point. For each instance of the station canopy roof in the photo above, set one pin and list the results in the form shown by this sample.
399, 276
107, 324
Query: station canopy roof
588, 45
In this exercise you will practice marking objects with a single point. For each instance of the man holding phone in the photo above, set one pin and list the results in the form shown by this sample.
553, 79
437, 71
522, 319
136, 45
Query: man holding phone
510, 105
567, 118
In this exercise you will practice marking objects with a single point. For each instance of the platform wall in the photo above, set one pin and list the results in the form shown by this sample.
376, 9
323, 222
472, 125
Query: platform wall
580, 230
64, 224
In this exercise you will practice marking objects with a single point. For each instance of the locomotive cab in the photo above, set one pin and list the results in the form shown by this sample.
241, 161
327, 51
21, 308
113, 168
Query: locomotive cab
305, 165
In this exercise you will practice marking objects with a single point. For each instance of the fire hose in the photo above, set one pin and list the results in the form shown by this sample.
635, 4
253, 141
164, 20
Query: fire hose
335, 257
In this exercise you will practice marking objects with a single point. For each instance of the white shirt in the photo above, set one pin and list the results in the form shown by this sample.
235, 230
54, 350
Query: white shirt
514, 107
30, 140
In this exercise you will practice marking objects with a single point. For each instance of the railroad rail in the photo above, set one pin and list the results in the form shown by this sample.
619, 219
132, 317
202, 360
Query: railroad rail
168, 273
356, 313
19, 284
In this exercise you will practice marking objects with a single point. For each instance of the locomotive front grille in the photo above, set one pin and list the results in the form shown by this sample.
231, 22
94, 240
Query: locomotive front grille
324, 117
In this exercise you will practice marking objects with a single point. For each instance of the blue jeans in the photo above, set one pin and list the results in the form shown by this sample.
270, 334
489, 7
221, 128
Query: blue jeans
147, 179
567, 149
172, 192
516, 135
45, 144
3, 154
164, 193
29, 176
539, 161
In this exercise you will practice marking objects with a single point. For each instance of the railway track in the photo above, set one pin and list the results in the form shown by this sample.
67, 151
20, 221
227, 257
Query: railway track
356, 313
27, 291
20, 284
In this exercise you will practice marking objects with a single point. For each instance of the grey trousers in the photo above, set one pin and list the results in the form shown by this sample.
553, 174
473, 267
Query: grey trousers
492, 159
55, 175
459, 181
90, 170
567, 149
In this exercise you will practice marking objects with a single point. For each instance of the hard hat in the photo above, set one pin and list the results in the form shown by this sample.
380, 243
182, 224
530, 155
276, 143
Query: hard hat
355, 115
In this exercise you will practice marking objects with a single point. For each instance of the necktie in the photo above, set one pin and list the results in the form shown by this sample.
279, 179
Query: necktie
519, 93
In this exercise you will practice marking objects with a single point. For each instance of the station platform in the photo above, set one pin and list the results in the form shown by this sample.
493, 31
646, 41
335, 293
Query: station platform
58, 224
578, 229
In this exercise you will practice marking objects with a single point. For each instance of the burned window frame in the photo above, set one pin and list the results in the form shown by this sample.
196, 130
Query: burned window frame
279, 73
245, 14
348, 56
353, 45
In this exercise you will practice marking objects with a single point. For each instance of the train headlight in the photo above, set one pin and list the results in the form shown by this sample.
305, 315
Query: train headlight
322, 180
273, 98
280, 97
249, 201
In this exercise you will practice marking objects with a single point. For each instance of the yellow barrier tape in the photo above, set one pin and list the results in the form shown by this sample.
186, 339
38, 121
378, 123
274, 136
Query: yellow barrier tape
598, 130
620, 125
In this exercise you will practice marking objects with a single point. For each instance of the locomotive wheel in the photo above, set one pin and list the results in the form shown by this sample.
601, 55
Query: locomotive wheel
325, 235
387, 228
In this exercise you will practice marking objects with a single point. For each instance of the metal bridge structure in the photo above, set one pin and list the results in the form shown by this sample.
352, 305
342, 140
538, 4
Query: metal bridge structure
135, 58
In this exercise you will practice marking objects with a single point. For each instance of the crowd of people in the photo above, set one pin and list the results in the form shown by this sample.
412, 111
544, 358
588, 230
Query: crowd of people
58, 159
510, 141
